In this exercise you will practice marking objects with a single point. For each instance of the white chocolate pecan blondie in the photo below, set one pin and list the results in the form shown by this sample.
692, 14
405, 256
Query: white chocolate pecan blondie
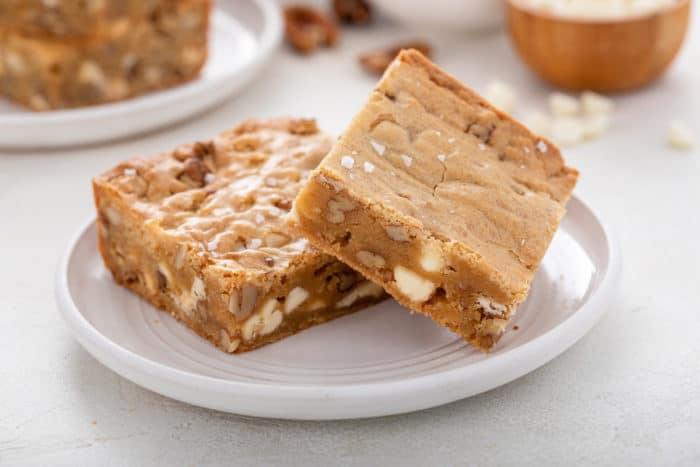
200, 233
127, 58
442, 199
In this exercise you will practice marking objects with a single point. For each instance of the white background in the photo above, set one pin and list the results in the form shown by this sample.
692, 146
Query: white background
627, 394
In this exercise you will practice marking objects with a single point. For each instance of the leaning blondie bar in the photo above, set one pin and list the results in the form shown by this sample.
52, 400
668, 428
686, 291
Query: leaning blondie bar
442, 199
200, 233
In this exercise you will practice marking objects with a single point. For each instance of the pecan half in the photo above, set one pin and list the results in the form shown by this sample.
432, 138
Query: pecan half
352, 11
307, 28
376, 61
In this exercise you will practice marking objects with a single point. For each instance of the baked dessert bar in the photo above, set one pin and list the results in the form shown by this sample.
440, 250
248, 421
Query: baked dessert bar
130, 58
200, 233
72, 18
442, 199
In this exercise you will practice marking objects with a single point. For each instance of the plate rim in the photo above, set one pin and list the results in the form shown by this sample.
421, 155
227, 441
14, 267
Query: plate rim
498, 369
267, 40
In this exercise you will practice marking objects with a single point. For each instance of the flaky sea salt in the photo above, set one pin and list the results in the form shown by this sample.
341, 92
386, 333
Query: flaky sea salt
129, 172
348, 162
369, 167
378, 147
407, 160
441, 157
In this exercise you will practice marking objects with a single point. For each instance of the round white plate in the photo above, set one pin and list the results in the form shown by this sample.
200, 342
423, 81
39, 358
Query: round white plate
241, 41
380, 361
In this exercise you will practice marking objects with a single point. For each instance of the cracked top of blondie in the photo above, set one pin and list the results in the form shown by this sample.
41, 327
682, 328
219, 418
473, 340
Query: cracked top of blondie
226, 199
438, 157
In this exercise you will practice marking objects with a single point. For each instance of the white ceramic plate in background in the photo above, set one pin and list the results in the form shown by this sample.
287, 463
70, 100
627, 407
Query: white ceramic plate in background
469, 15
241, 41
380, 361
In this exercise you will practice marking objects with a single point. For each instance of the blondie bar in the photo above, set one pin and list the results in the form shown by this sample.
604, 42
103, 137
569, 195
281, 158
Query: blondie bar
129, 58
442, 199
200, 233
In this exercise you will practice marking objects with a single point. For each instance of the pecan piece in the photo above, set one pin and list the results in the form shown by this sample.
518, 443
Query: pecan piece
307, 28
194, 171
376, 61
352, 11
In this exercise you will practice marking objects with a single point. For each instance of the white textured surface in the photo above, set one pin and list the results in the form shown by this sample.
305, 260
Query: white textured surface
626, 394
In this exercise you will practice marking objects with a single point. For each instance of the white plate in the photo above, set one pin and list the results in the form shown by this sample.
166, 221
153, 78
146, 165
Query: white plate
376, 362
240, 43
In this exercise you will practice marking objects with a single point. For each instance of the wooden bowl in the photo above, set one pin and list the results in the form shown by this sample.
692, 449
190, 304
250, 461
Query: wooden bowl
599, 55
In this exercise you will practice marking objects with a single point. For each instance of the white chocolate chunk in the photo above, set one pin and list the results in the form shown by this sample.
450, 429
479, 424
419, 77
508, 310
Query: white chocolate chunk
371, 260
228, 345
398, 233
362, 290
432, 259
502, 95
413, 286
595, 104
562, 105
567, 131
295, 298
595, 126
679, 136
266, 320
538, 122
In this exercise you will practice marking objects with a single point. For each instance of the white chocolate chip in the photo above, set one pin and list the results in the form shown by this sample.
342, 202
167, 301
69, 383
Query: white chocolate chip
361, 290
595, 125
538, 122
296, 297
91, 73
595, 104
562, 105
348, 162
502, 95
567, 131
679, 136
407, 160
263, 322
378, 147
432, 259
112, 215
398, 233
15, 63
228, 345
413, 286
369, 167
371, 260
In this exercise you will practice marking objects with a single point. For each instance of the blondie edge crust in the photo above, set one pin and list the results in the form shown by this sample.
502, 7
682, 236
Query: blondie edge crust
200, 233
439, 197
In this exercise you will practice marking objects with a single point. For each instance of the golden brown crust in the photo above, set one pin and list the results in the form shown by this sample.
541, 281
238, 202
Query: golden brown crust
442, 199
199, 232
